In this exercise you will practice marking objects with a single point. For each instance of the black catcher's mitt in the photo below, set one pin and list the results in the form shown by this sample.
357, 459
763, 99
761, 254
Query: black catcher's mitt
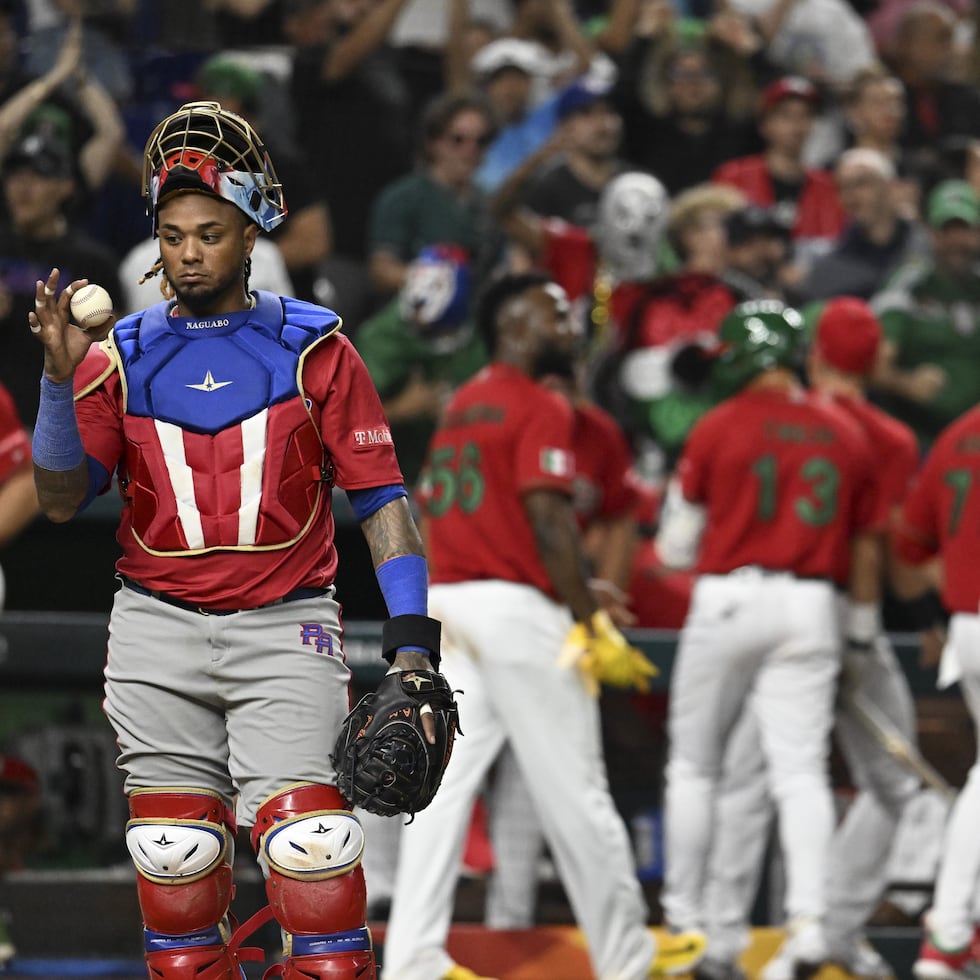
383, 761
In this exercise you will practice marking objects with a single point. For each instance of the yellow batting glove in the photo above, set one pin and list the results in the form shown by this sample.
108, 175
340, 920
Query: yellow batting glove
604, 656
575, 653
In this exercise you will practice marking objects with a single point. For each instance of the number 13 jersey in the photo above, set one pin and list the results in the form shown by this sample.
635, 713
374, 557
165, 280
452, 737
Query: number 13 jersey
786, 482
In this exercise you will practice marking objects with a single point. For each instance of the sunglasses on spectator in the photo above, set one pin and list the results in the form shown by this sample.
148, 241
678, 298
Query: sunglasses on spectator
459, 139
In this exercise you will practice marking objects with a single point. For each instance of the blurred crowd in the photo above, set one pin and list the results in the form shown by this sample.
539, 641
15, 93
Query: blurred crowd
663, 161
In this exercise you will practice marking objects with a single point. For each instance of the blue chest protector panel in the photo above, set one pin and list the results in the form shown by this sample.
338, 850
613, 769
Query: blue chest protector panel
207, 374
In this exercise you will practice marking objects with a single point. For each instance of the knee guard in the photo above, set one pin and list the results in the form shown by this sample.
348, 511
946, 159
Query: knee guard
179, 841
312, 845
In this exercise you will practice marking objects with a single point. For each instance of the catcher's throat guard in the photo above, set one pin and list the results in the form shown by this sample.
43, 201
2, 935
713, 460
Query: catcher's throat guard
384, 762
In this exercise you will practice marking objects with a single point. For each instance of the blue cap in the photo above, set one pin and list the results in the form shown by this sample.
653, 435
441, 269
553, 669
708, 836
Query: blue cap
582, 94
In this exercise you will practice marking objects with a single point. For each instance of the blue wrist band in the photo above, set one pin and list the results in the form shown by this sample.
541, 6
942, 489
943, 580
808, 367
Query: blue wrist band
57, 444
404, 583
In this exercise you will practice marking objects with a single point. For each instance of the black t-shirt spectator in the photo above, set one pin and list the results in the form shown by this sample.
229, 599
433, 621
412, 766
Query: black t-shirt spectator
357, 134
556, 192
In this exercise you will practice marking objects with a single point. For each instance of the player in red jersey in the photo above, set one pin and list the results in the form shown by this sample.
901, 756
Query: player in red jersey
772, 488
507, 580
228, 415
604, 498
845, 345
941, 520
18, 498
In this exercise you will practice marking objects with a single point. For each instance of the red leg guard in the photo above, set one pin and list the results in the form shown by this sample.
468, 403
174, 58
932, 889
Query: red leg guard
334, 900
180, 843
338, 966
321, 901
210, 963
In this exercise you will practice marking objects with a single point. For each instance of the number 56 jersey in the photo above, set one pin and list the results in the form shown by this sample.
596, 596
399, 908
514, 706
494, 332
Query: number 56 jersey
503, 436
786, 480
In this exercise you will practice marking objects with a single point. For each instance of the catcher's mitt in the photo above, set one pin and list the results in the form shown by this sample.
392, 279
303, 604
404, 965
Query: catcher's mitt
383, 761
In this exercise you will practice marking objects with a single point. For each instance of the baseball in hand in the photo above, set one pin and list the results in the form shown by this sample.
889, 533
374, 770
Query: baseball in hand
91, 306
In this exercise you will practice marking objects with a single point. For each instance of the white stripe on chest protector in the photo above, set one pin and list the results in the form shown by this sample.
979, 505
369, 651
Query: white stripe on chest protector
253, 450
182, 480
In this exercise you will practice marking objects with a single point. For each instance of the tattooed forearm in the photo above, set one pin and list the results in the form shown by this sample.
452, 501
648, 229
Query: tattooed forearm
391, 532
61, 493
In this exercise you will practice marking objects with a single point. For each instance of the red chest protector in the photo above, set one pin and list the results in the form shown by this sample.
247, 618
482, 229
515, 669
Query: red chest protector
221, 449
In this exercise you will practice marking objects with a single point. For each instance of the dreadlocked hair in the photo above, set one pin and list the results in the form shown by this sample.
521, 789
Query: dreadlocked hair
166, 290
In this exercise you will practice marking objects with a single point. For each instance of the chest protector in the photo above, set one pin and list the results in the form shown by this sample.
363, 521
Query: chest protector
222, 451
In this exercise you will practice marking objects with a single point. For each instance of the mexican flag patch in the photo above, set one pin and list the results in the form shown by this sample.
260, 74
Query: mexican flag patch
557, 462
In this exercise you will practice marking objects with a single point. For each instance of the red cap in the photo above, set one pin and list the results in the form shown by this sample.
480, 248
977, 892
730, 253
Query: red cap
15, 772
790, 87
848, 334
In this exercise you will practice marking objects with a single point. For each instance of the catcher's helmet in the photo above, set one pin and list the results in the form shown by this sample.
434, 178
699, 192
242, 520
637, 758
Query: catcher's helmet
206, 148
756, 336
630, 224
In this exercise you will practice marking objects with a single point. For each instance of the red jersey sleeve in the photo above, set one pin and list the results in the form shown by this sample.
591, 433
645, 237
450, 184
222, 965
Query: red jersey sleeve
544, 457
99, 408
916, 534
353, 424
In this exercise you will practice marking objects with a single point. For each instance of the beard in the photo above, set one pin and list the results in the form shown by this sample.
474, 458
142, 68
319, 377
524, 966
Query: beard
199, 298
554, 361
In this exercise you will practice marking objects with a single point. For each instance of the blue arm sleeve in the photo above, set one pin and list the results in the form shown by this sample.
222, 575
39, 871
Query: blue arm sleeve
404, 583
98, 477
364, 503
56, 444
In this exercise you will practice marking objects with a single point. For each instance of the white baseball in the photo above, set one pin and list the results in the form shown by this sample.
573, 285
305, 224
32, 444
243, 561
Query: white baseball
91, 306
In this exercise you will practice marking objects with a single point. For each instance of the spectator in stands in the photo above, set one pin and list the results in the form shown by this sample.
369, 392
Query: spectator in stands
825, 41
688, 103
248, 23
759, 249
420, 346
605, 269
679, 309
877, 239
439, 203
568, 186
106, 39
553, 25
928, 374
874, 113
940, 112
504, 71
351, 110
806, 198
38, 183
67, 98
306, 239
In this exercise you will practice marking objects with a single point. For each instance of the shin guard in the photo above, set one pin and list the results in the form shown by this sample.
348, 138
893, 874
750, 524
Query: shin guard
312, 845
180, 842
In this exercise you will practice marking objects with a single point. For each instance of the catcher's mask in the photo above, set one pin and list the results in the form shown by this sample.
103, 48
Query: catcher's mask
202, 147
756, 336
